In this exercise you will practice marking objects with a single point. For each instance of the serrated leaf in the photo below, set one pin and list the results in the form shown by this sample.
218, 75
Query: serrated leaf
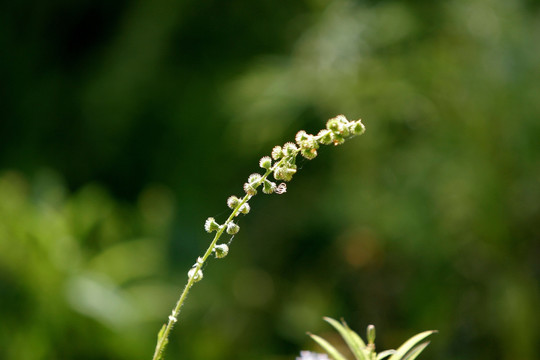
416, 351
384, 354
409, 344
330, 350
354, 343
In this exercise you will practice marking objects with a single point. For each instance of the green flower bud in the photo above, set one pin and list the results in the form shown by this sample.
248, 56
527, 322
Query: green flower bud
211, 225
277, 153
344, 131
268, 187
289, 149
337, 139
288, 173
300, 137
232, 202
333, 124
266, 162
325, 137
250, 189
195, 274
371, 334
309, 153
254, 178
279, 173
244, 209
221, 251
339, 125
342, 119
232, 228
357, 128
310, 143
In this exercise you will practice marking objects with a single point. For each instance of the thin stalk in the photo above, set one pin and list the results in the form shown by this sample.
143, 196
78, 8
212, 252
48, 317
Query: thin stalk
338, 129
173, 318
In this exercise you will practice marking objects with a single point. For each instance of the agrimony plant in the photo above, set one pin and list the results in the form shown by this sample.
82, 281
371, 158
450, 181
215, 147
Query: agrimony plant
282, 166
362, 351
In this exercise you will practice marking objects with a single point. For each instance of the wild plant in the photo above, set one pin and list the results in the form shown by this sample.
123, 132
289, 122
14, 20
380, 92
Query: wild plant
282, 166
362, 351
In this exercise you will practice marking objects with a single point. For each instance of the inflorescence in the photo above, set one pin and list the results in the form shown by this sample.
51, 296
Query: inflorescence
282, 164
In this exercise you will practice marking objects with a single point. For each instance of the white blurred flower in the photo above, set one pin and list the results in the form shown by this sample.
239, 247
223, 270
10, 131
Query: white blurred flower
308, 355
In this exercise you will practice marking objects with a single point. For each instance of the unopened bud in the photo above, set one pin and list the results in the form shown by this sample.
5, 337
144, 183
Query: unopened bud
269, 187
232, 228
221, 251
325, 137
371, 334
250, 189
232, 202
289, 149
309, 153
357, 128
211, 225
277, 153
266, 162
244, 209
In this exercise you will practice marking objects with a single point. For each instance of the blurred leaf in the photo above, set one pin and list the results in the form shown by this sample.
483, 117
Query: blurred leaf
402, 351
332, 351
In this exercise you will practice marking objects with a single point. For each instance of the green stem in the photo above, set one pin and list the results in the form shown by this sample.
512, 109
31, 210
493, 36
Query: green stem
289, 157
173, 318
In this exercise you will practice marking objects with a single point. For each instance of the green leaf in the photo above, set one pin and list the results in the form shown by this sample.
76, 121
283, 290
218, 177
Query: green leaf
352, 339
409, 344
384, 354
354, 335
416, 351
330, 350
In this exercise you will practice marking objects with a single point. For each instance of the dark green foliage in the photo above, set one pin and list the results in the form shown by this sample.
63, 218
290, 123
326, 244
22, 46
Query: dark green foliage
430, 221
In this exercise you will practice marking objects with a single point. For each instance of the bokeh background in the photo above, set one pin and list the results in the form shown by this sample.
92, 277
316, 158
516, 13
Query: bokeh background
125, 124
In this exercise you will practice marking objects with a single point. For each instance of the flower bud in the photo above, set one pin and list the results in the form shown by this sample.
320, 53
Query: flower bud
357, 128
288, 173
221, 251
344, 131
279, 173
300, 137
268, 187
265, 162
232, 228
254, 178
337, 139
277, 153
309, 153
211, 225
244, 209
232, 202
310, 143
195, 274
333, 124
289, 149
325, 137
250, 189
371, 334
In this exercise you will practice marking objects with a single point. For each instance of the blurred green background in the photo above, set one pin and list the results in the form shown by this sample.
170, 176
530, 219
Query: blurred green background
125, 124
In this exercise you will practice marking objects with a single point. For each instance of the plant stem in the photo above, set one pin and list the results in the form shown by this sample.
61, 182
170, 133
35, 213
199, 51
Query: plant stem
337, 130
173, 318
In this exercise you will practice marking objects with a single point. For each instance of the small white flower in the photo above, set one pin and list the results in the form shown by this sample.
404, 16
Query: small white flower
308, 355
